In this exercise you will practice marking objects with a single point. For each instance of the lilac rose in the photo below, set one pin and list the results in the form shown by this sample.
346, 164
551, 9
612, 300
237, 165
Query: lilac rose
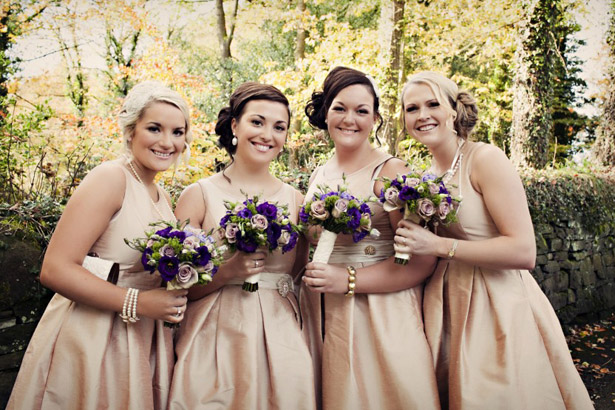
433, 188
391, 199
444, 209
412, 182
166, 250
231, 232
318, 211
426, 208
341, 205
259, 222
185, 278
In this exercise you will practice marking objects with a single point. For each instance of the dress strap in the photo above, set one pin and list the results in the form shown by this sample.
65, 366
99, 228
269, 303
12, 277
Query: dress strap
377, 170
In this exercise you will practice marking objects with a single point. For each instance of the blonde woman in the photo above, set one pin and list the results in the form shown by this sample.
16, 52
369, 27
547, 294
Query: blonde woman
100, 344
495, 339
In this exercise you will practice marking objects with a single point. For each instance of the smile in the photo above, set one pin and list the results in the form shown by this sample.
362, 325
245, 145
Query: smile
262, 147
427, 127
164, 155
346, 131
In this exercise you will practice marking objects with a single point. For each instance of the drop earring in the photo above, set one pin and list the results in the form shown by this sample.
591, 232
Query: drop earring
234, 140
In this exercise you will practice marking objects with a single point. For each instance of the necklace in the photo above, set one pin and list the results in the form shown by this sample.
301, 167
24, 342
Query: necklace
148, 196
455, 165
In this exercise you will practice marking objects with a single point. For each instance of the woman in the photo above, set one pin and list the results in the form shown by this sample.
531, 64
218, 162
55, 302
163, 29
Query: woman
495, 339
89, 350
370, 349
236, 349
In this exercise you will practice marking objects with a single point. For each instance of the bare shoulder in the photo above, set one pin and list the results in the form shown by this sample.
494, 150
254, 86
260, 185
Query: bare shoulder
106, 181
392, 167
490, 165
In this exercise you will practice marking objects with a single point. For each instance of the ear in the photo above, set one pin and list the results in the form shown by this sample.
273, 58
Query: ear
233, 125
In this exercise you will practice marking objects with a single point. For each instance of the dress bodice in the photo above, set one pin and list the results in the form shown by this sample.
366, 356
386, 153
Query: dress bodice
360, 184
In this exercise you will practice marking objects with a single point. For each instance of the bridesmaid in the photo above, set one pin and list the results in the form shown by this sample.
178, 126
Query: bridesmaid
370, 349
83, 354
495, 338
236, 349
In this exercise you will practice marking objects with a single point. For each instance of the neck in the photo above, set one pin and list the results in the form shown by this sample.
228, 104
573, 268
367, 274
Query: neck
251, 178
142, 174
349, 161
443, 155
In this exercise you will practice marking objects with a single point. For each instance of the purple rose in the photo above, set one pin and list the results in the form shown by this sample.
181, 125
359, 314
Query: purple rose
426, 208
166, 250
391, 199
190, 242
231, 232
291, 242
412, 182
202, 256
145, 258
339, 208
245, 213
318, 211
164, 233
269, 210
303, 216
433, 188
443, 209
168, 267
186, 276
355, 218
273, 234
428, 177
259, 221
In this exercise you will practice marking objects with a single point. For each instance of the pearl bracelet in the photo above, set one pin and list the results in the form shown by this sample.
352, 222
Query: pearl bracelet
352, 277
129, 308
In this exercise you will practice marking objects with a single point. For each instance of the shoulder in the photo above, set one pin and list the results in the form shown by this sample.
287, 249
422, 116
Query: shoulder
392, 167
490, 166
294, 192
105, 179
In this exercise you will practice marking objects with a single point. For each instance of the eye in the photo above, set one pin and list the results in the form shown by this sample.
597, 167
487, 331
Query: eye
434, 104
410, 108
363, 111
338, 109
280, 128
179, 132
257, 122
153, 128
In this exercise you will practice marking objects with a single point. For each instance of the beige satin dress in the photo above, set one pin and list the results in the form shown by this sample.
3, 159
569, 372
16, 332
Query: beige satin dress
243, 350
496, 341
81, 357
369, 351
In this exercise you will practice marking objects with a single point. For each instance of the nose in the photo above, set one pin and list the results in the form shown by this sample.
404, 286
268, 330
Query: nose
423, 113
348, 117
166, 139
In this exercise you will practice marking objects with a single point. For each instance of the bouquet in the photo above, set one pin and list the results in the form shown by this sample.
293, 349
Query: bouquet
337, 212
183, 255
251, 224
422, 198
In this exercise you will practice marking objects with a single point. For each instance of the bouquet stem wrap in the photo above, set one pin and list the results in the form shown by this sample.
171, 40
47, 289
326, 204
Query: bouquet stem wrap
251, 283
402, 258
325, 246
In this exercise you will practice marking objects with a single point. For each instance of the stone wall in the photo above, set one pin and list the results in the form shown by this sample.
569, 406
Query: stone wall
576, 269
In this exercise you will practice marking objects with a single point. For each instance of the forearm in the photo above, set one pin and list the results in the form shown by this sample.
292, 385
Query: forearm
496, 253
387, 276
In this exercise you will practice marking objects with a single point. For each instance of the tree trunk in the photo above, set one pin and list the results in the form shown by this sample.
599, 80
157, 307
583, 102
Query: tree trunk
603, 150
300, 48
532, 87
225, 38
394, 75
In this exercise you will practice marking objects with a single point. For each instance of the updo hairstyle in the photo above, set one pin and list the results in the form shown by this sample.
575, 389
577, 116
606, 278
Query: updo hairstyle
245, 93
139, 99
459, 103
338, 79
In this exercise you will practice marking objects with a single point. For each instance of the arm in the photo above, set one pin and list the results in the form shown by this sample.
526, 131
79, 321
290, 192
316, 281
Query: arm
382, 277
93, 204
303, 245
191, 205
494, 176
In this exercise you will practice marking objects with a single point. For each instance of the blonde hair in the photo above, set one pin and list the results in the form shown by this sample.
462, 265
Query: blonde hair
458, 103
139, 99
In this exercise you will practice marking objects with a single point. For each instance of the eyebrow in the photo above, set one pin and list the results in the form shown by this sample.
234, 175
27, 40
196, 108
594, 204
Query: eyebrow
262, 117
160, 125
342, 104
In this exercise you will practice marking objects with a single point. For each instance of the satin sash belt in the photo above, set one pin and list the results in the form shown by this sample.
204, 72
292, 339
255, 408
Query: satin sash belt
269, 280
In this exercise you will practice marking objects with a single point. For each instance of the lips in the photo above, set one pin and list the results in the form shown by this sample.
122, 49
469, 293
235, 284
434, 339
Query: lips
426, 127
261, 147
347, 131
163, 155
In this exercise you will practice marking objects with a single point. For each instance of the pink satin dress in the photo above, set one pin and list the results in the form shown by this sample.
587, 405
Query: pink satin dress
241, 350
495, 338
81, 357
369, 351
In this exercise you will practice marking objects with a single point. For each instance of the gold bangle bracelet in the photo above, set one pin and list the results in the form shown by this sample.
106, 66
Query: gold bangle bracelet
352, 277
451, 252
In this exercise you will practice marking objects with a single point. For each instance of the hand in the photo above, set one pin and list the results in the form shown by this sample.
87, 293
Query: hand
162, 304
242, 265
325, 278
414, 239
